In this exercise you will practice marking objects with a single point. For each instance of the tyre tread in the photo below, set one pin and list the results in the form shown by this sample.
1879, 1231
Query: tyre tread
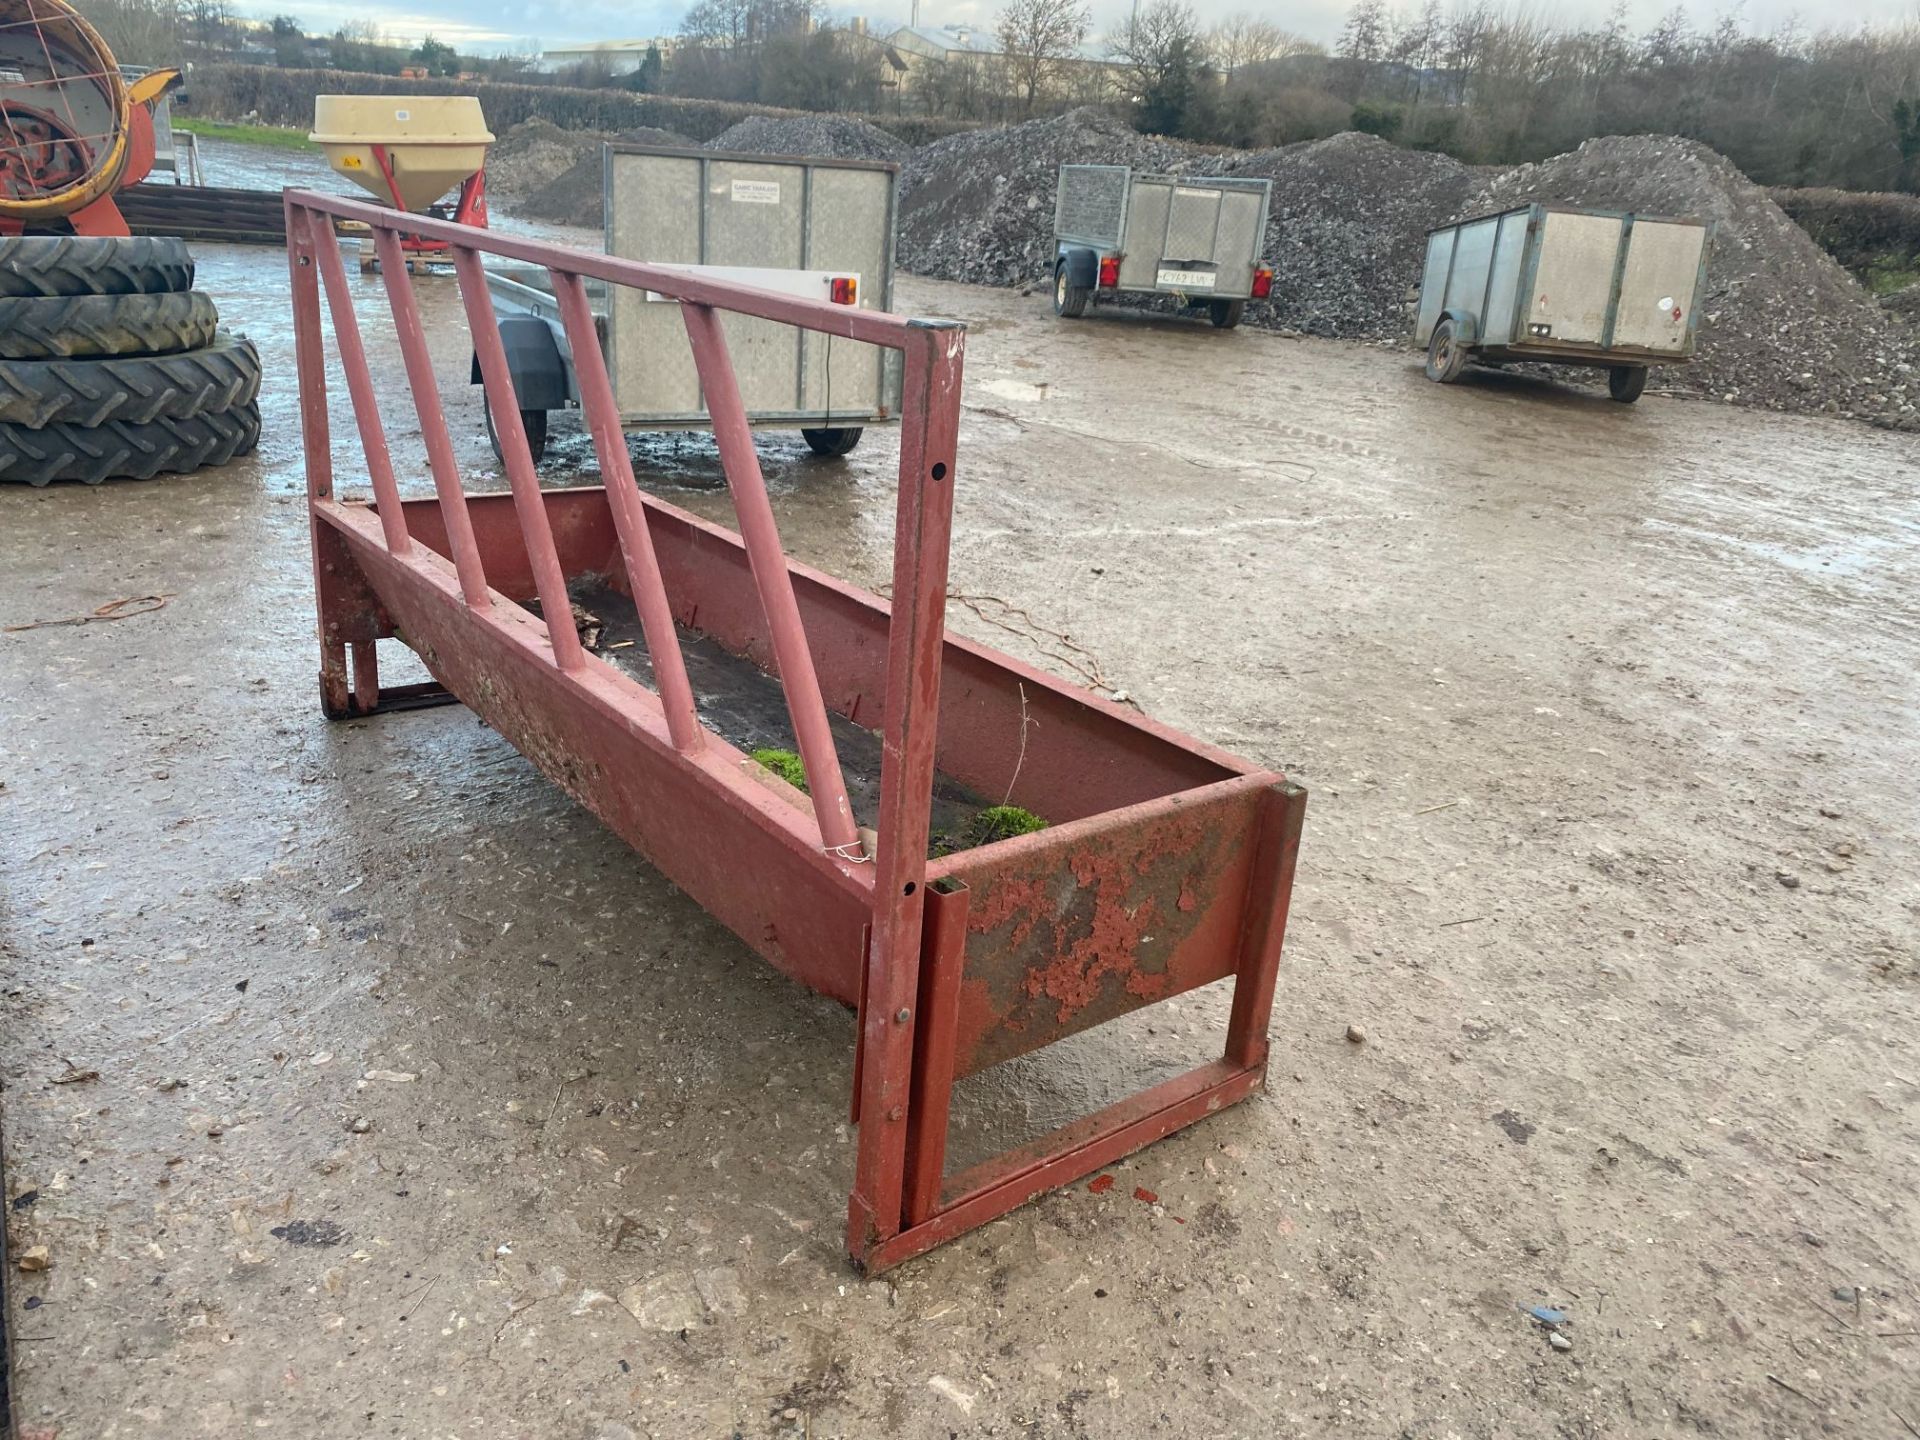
139, 389
126, 450
54, 265
73, 327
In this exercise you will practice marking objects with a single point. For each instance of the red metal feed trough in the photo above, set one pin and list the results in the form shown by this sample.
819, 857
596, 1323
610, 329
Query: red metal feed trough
1167, 864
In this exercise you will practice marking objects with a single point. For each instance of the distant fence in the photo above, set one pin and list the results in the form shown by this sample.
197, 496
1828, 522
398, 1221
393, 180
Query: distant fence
285, 97
1858, 229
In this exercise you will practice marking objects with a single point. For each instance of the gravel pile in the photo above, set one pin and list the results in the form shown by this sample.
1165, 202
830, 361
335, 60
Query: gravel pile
978, 206
577, 196
1904, 303
1345, 236
838, 137
531, 154
1347, 232
1785, 328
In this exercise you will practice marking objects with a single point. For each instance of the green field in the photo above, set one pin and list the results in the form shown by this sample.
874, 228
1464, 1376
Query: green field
280, 135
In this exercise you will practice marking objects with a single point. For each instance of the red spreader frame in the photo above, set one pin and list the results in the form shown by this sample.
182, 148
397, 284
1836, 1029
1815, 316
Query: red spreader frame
1167, 864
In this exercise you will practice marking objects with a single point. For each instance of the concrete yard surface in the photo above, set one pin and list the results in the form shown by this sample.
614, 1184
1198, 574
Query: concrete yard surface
357, 1082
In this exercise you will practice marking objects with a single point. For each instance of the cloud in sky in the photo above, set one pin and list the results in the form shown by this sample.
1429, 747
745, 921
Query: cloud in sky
499, 24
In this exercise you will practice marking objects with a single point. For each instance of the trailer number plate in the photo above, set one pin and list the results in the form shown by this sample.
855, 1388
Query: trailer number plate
1186, 279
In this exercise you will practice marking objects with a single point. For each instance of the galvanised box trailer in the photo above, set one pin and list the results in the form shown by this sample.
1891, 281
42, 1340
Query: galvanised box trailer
1562, 286
806, 227
1198, 240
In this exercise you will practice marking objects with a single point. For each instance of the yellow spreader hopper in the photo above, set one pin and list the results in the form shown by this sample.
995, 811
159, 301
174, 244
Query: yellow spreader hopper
409, 150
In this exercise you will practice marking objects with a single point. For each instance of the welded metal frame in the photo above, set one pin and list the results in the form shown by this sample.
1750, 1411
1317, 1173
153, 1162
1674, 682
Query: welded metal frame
1170, 864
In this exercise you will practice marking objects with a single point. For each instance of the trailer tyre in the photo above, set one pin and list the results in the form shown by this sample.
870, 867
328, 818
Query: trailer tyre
126, 450
1625, 383
837, 441
534, 422
1446, 356
140, 389
1069, 300
46, 265
1225, 314
77, 327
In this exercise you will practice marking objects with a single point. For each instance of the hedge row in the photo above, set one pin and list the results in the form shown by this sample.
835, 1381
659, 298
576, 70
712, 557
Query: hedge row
1858, 229
273, 96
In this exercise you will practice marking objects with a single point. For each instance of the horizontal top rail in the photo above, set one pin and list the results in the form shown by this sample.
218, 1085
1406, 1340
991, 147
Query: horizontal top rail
875, 327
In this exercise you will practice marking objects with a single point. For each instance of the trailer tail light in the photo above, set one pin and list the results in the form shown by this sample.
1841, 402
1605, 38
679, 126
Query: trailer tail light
844, 290
1109, 272
1262, 281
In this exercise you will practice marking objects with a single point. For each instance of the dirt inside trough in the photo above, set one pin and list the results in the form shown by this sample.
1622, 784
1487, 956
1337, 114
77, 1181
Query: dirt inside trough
746, 707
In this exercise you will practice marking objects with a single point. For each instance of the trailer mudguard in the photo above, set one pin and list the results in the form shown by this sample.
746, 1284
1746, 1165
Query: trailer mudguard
1083, 266
533, 360
1466, 325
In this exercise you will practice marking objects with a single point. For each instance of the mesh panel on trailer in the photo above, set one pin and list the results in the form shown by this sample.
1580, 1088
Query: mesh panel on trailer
1092, 203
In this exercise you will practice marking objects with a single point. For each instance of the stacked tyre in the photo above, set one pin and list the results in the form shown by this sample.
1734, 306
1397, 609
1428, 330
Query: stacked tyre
113, 366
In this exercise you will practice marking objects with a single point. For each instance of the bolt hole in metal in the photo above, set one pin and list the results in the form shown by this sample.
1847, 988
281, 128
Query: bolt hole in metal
909, 889
940, 470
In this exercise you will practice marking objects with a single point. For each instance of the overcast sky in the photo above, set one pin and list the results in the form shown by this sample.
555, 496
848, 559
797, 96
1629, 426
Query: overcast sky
484, 25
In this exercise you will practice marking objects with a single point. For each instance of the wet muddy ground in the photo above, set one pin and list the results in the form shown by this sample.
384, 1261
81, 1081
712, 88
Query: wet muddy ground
358, 1082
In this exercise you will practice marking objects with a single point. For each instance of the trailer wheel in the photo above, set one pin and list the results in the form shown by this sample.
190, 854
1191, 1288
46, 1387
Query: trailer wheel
1446, 356
838, 441
1069, 300
74, 327
1225, 314
1626, 382
93, 265
534, 422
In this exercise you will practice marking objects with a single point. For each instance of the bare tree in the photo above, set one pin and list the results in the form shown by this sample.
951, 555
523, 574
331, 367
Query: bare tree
1243, 39
1163, 54
211, 22
743, 24
1036, 36
139, 32
1365, 36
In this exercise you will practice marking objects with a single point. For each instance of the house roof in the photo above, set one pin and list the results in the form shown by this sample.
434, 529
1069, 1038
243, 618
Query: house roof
980, 42
586, 47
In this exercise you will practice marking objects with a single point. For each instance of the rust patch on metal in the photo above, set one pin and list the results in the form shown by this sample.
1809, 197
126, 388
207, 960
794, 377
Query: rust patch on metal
1065, 935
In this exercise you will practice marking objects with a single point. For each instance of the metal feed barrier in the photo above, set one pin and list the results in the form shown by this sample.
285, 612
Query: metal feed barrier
1168, 864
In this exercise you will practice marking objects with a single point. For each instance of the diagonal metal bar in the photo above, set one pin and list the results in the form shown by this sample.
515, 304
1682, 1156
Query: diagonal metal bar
773, 580
433, 419
629, 515
535, 531
366, 410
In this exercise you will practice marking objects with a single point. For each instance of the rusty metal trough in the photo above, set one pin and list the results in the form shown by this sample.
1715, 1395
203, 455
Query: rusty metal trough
1167, 864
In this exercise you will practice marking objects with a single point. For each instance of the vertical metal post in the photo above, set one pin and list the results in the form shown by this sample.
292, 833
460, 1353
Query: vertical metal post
366, 676
629, 514
1612, 319
916, 633
548, 578
1269, 891
366, 409
805, 707
433, 420
310, 367
944, 953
